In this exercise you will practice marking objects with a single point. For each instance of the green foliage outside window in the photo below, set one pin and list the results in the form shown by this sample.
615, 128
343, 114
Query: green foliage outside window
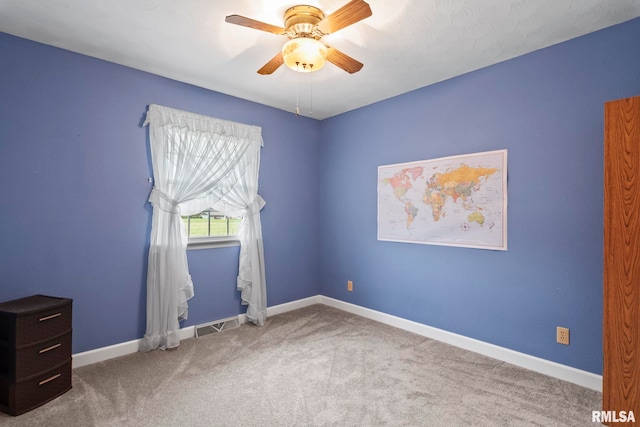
211, 224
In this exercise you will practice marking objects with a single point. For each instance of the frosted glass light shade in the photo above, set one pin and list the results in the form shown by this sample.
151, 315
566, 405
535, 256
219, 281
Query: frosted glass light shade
304, 54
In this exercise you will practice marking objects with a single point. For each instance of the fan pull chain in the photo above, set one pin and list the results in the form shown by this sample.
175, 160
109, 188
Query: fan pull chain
298, 90
311, 90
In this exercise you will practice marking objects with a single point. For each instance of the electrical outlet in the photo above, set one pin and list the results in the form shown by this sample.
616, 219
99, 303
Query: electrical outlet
350, 286
562, 335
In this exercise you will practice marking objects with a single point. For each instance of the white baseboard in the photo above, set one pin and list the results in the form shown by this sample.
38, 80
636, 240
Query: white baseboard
122, 349
129, 347
287, 306
543, 366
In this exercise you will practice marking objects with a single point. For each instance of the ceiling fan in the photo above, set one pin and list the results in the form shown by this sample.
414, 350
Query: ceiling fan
305, 26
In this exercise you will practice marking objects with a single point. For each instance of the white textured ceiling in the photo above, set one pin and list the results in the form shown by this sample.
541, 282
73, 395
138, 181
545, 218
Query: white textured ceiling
404, 45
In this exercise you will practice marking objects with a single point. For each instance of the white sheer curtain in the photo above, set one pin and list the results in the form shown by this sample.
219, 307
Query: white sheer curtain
199, 162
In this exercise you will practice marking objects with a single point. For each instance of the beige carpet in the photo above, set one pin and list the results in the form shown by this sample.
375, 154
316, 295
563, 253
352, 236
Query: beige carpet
313, 367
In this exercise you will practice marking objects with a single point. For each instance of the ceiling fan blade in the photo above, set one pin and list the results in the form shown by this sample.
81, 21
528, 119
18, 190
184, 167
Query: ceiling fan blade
252, 23
350, 13
343, 61
272, 65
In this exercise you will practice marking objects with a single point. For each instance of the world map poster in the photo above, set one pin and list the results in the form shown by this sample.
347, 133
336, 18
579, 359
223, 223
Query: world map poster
454, 201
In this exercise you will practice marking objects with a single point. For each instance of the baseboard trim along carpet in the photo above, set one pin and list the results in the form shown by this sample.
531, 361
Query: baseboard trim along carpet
543, 366
122, 349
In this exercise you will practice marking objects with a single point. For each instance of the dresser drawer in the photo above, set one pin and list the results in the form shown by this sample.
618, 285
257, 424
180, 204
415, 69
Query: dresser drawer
41, 326
20, 397
34, 319
34, 359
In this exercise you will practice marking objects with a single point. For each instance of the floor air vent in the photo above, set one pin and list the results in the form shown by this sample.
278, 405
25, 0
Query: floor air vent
217, 326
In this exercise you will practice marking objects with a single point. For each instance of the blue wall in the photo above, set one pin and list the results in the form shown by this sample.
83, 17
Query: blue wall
75, 222
546, 108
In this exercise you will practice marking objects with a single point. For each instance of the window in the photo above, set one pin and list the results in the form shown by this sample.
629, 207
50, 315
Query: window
211, 228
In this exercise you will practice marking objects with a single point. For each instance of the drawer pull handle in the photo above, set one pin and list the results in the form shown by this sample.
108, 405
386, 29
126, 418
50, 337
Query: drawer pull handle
53, 347
53, 316
49, 379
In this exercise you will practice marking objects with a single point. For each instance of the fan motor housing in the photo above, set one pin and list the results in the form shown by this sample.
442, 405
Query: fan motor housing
301, 20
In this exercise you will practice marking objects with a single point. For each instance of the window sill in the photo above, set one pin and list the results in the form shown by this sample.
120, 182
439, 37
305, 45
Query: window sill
212, 242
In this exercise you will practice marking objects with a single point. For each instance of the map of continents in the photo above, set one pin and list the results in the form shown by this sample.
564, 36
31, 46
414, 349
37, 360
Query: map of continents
459, 201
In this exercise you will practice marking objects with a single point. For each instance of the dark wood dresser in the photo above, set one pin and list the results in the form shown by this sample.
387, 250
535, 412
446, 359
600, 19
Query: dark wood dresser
35, 352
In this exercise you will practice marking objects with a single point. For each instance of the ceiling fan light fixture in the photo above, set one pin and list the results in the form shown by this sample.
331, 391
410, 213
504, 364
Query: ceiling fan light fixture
304, 54
305, 25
